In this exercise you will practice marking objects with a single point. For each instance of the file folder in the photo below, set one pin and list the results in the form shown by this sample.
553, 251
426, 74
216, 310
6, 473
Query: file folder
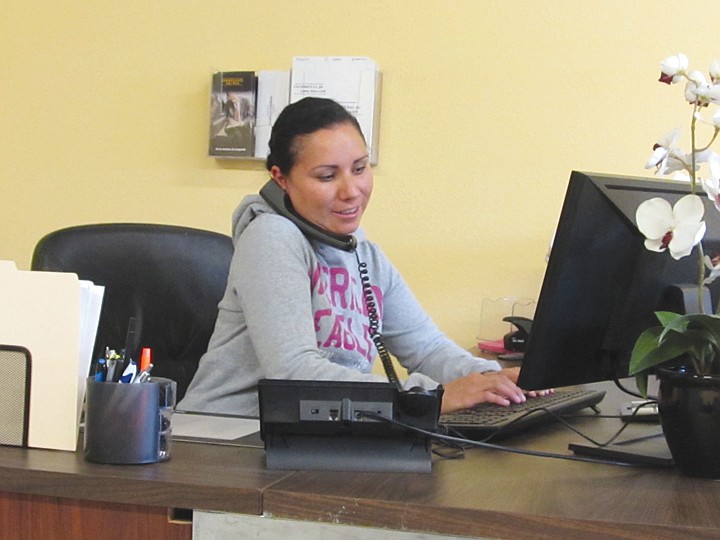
54, 316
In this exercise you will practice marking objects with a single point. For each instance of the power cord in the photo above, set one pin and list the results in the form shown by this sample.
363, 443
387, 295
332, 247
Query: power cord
562, 419
632, 392
459, 443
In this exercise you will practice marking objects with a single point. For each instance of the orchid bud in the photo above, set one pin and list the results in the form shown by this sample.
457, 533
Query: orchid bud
714, 71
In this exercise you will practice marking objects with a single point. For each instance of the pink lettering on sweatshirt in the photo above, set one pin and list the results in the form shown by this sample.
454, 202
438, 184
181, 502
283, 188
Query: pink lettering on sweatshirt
344, 325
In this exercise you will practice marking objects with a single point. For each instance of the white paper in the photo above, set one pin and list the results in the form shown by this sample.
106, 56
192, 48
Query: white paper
210, 426
91, 297
273, 95
352, 81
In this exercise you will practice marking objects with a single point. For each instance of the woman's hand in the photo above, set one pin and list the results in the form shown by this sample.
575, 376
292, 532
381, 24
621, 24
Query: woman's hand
497, 387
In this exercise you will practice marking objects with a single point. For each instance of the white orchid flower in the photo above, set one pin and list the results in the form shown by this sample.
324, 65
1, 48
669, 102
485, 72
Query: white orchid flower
714, 269
715, 122
677, 229
667, 157
662, 148
711, 185
714, 163
713, 94
673, 68
677, 160
696, 87
714, 71
699, 91
703, 156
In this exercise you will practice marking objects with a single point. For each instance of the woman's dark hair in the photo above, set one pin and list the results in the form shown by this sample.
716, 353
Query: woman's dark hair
301, 118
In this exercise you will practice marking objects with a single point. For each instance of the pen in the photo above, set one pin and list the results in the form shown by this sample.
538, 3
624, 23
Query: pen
144, 375
101, 370
111, 363
111, 360
127, 355
129, 374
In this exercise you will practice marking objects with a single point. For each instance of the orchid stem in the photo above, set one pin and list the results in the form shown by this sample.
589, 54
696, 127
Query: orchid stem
701, 278
693, 162
693, 178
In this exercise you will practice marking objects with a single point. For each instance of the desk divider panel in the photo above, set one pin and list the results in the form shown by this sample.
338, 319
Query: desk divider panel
15, 378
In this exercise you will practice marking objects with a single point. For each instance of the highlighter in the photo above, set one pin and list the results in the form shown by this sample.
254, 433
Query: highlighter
145, 358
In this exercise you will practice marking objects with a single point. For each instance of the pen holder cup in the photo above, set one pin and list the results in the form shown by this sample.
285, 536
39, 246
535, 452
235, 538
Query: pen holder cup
129, 423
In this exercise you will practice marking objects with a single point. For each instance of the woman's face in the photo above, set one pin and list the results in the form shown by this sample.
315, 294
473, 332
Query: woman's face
331, 182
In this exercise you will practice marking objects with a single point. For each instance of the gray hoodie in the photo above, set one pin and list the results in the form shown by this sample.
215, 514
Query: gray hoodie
294, 309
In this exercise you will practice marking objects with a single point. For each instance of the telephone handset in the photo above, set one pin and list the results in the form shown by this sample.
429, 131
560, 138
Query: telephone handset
415, 401
280, 202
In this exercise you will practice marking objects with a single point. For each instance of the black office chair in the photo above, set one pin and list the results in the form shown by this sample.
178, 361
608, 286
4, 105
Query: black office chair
168, 278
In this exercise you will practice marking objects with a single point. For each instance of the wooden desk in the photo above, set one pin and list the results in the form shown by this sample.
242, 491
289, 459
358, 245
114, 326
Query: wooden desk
493, 494
51, 494
486, 494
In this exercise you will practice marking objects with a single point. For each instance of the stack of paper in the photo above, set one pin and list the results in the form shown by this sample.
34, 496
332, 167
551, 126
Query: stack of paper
273, 94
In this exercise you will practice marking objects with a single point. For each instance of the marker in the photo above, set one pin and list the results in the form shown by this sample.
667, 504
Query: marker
145, 358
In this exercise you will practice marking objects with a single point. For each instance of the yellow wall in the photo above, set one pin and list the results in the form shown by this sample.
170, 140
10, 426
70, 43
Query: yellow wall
487, 107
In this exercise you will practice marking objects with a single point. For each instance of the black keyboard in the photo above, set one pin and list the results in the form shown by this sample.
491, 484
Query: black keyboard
489, 419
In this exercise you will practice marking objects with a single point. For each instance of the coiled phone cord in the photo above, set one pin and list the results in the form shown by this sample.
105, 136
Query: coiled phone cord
374, 324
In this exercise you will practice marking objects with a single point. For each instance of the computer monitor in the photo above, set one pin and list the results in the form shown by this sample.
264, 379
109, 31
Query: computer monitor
601, 285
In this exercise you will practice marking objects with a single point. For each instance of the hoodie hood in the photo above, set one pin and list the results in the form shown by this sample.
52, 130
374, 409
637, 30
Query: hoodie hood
248, 209
251, 207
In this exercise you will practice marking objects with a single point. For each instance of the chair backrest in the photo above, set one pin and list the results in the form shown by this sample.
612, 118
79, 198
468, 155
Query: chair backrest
169, 278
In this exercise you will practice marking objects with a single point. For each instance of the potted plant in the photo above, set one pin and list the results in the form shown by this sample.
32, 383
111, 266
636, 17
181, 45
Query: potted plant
683, 351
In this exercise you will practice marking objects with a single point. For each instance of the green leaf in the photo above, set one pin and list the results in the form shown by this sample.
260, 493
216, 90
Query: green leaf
649, 351
666, 317
678, 324
710, 323
645, 344
701, 337
696, 335
641, 380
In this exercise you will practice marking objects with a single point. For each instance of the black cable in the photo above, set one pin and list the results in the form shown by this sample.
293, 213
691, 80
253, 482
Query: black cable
374, 324
449, 450
561, 419
632, 392
482, 444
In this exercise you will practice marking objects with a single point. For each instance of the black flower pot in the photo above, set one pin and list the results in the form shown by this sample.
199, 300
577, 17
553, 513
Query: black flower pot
689, 407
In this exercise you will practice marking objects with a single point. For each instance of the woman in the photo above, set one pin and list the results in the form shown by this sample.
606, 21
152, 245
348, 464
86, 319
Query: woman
294, 307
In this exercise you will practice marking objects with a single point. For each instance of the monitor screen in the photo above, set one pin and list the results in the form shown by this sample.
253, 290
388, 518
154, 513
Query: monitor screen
601, 285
